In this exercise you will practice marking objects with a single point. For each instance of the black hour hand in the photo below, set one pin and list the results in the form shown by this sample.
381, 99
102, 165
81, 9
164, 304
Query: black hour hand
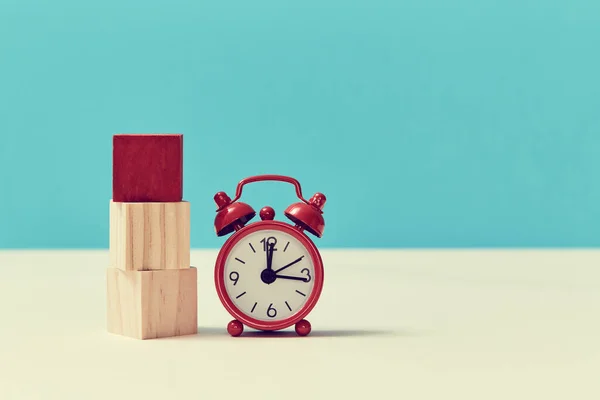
296, 278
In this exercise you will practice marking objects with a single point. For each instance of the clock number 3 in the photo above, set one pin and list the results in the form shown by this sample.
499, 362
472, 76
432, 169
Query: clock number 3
308, 277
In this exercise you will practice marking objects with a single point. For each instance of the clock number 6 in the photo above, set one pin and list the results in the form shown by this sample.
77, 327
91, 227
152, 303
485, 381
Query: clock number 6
307, 274
271, 312
234, 276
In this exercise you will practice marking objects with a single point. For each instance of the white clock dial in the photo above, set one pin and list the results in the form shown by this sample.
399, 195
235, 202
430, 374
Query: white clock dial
276, 293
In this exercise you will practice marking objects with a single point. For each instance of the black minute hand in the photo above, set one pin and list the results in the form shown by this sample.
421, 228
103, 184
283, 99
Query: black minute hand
270, 255
289, 265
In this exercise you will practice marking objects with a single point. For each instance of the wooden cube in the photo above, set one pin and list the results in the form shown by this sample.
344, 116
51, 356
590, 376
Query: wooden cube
147, 167
149, 236
152, 304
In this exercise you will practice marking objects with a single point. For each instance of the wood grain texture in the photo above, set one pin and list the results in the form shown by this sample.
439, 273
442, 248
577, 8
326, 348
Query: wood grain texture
152, 304
149, 236
147, 167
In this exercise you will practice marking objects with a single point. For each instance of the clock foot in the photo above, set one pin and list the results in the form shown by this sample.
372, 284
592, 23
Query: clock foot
235, 328
303, 327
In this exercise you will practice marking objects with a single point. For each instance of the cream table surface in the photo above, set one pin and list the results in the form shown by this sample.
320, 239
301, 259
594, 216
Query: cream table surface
412, 324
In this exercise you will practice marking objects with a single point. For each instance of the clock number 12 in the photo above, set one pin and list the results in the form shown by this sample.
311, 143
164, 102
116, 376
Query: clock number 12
267, 241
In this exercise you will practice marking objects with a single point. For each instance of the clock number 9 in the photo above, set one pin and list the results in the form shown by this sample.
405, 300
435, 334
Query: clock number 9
271, 312
234, 276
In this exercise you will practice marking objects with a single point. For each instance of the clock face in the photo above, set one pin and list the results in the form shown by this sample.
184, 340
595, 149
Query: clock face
269, 275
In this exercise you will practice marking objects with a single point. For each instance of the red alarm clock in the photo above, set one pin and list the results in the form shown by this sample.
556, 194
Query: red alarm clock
269, 274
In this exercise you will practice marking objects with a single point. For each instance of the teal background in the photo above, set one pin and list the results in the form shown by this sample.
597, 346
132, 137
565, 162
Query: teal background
427, 123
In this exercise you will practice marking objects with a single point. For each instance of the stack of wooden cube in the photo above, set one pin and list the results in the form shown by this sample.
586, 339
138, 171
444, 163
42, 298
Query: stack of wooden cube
151, 287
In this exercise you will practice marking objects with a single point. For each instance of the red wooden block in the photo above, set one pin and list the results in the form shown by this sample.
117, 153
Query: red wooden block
147, 168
